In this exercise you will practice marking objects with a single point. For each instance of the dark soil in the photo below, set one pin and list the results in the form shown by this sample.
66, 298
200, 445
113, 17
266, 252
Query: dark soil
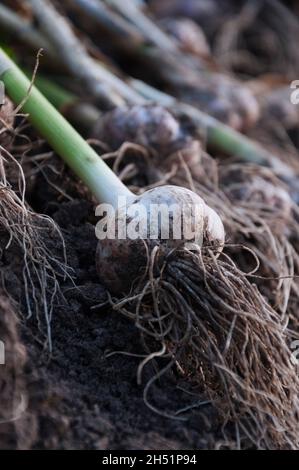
80, 397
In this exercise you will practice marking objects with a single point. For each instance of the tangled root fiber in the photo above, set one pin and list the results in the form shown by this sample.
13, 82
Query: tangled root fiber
35, 240
202, 314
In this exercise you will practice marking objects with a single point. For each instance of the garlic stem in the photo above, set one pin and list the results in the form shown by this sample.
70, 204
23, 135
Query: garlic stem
62, 137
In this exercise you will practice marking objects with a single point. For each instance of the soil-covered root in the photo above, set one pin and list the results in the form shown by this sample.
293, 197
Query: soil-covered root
17, 423
261, 225
260, 221
203, 315
34, 244
269, 227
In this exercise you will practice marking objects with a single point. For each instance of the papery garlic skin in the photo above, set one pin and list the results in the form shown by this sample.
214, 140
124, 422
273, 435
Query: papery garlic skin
120, 261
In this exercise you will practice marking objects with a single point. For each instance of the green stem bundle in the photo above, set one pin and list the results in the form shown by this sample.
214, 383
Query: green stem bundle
62, 137
219, 136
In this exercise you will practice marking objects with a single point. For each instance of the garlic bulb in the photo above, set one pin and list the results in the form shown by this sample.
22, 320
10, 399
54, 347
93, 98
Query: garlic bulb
151, 126
184, 222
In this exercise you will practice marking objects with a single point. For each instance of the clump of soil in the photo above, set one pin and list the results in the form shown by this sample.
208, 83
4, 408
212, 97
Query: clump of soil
17, 422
